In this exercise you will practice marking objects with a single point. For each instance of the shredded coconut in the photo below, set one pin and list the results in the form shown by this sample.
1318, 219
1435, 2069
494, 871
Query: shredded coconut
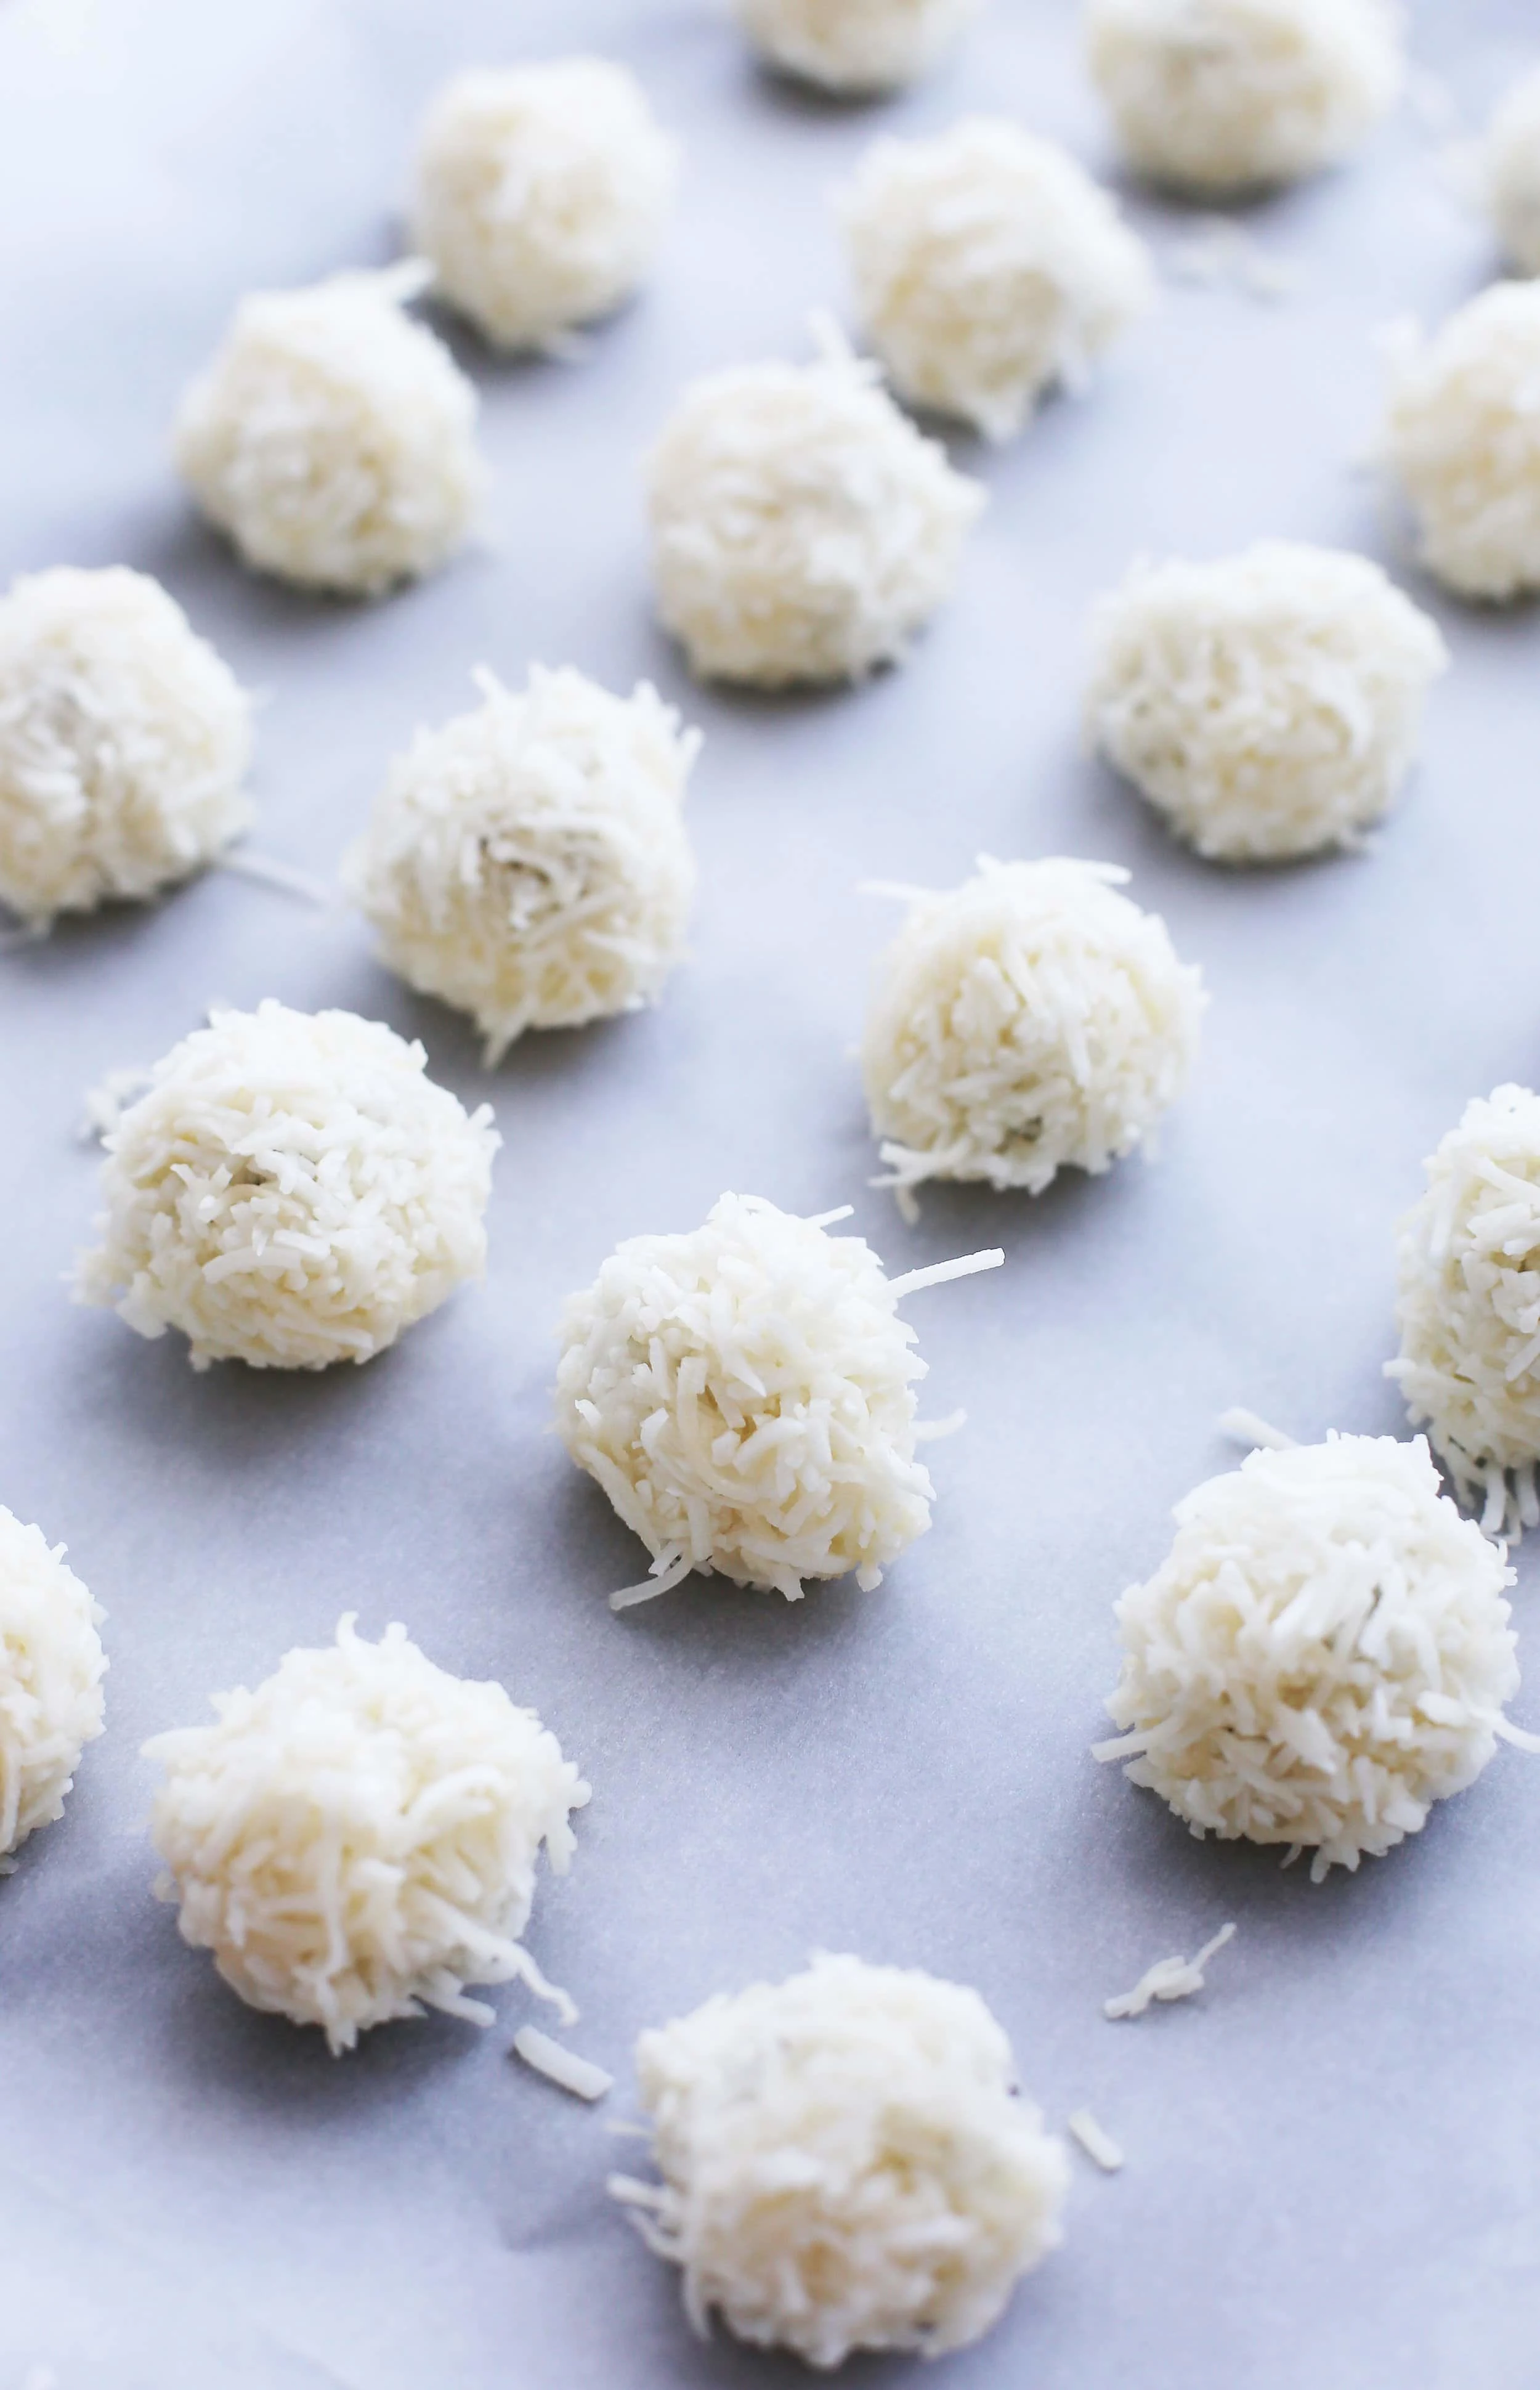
1509, 173
745, 1397
1221, 252
1214, 95
541, 195
855, 45
332, 438
124, 742
1031, 1019
358, 1839
1268, 705
1468, 1306
51, 1671
845, 2165
291, 1190
561, 2065
988, 266
529, 862
1098, 2143
1324, 1653
802, 529
1462, 437
1169, 1979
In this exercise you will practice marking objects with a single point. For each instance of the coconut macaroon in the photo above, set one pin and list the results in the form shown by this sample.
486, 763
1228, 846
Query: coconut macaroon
987, 267
1462, 437
802, 530
744, 1394
846, 2163
540, 196
1468, 1306
1510, 174
290, 1190
51, 1671
332, 438
124, 742
356, 1839
1269, 704
529, 862
855, 46
1030, 1018
1324, 1653
1227, 94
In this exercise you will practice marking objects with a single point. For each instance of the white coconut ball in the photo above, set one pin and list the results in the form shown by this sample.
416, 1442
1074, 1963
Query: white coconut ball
1510, 171
1324, 1653
802, 529
1030, 1018
124, 742
529, 862
1269, 704
846, 2163
290, 1190
541, 196
855, 46
356, 1839
1218, 95
1462, 436
988, 266
51, 1671
334, 439
1468, 1305
744, 1394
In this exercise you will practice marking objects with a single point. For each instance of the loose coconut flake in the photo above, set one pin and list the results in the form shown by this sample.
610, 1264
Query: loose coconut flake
51, 1671
559, 2065
1169, 1979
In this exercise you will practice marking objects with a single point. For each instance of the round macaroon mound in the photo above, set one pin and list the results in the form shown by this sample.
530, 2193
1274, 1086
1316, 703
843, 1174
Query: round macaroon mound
356, 1839
858, 47
1510, 174
332, 438
51, 1671
541, 196
802, 529
846, 2163
1468, 1306
529, 862
744, 1394
1031, 1019
1324, 1653
1268, 705
1231, 94
987, 267
124, 742
1462, 438
290, 1190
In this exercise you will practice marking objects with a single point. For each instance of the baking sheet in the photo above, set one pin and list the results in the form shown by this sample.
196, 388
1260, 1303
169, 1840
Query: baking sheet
1332, 2154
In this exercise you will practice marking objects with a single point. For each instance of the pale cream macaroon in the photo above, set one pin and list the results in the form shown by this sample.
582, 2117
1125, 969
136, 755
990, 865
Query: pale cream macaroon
529, 861
51, 1671
1508, 171
333, 437
1462, 440
859, 49
541, 195
987, 268
124, 742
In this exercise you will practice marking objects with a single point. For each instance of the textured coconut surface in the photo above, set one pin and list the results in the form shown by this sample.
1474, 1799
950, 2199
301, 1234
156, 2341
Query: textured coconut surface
1330, 2172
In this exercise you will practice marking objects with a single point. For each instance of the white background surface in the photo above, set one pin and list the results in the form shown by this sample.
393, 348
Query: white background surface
1333, 2154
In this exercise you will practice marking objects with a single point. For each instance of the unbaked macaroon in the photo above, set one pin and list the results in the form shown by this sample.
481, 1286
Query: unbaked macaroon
540, 195
802, 530
1269, 704
1509, 173
1226, 95
744, 1394
847, 2163
51, 1671
529, 862
1033, 1018
987, 266
1468, 1306
855, 46
1462, 437
123, 743
1324, 1653
292, 1189
334, 439
358, 1839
